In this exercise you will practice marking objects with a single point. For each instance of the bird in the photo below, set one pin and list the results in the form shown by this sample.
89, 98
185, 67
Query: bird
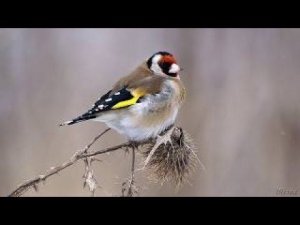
142, 104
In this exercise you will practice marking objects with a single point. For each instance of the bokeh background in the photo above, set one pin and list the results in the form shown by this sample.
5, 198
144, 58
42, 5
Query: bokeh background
242, 107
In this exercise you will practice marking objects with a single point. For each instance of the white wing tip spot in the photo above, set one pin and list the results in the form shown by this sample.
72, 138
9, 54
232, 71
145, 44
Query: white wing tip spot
108, 100
117, 93
66, 123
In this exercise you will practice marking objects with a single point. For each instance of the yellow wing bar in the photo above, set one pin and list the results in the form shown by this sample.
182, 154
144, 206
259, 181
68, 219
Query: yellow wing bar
136, 94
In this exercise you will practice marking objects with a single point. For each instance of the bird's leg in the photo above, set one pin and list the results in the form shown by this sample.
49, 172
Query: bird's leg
134, 144
161, 139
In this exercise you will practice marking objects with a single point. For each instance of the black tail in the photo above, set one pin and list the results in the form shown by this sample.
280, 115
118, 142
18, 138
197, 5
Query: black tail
81, 118
90, 114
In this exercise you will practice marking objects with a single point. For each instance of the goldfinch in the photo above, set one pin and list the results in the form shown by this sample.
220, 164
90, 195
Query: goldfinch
142, 104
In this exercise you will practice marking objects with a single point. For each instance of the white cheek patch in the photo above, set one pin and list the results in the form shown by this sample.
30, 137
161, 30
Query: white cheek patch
174, 68
156, 59
155, 67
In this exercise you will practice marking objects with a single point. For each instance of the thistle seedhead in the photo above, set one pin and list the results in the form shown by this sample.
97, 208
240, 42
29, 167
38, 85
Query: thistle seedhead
174, 160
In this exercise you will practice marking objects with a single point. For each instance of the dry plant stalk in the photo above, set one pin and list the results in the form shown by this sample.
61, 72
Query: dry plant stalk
173, 160
128, 187
170, 156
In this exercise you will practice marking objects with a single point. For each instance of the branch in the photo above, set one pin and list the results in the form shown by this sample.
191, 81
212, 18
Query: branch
169, 155
110, 149
81, 154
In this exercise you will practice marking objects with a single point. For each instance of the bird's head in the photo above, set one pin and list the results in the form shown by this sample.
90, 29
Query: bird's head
163, 63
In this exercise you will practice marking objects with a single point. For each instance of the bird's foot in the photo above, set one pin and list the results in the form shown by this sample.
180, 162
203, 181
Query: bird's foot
134, 144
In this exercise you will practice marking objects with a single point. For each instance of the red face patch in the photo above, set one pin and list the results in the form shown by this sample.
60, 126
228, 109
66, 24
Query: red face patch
168, 59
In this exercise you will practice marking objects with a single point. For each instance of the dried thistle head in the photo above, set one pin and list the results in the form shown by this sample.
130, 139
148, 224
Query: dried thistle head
173, 160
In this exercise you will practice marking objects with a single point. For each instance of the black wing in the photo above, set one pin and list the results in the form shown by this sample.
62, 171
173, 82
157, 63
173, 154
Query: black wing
105, 103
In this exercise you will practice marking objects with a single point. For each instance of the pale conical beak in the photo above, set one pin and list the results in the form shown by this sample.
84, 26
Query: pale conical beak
174, 68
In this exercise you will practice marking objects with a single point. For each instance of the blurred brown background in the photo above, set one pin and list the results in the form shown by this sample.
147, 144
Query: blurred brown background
242, 108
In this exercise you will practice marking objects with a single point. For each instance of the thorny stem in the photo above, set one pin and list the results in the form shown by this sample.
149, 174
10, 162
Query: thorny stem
110, 149
88, 176
84, 155
81, 154
95, 139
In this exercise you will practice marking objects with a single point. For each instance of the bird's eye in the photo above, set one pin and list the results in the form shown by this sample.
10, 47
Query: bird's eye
165, 66
170, 69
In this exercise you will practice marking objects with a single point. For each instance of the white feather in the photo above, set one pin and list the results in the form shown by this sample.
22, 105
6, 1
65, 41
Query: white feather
155, 67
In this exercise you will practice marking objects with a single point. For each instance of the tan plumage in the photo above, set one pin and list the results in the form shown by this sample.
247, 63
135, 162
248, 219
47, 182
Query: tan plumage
144, 103
143, 80
138, 74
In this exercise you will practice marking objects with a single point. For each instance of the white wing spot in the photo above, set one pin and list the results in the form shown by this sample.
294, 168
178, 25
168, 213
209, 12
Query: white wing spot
108, 100
96, 109
66, 123
117, 93
100, 106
